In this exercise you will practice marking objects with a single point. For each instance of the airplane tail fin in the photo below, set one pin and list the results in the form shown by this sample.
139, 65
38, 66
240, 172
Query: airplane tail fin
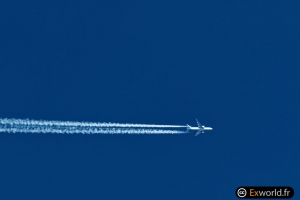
188, 127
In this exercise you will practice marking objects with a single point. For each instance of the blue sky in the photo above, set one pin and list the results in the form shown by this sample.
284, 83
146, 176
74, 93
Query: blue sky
234, 65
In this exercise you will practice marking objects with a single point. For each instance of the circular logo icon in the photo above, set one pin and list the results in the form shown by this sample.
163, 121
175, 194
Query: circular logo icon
241, 192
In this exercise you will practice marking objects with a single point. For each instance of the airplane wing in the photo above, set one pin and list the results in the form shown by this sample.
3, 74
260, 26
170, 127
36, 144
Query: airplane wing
198, 133
198, 123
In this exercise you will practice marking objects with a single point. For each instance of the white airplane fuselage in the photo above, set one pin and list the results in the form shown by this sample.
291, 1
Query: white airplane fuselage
193, 128
199, 128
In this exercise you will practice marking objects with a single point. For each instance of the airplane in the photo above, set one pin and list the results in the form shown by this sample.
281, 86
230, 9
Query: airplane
200, 128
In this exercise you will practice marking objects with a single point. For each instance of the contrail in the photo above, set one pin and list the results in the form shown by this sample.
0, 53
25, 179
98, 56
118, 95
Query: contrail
88, 124
61, 127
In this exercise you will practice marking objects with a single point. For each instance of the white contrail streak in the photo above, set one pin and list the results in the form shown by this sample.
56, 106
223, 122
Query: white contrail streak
88, 124
36, 126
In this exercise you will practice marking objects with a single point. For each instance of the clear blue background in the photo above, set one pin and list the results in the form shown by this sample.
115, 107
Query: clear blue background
234, 65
